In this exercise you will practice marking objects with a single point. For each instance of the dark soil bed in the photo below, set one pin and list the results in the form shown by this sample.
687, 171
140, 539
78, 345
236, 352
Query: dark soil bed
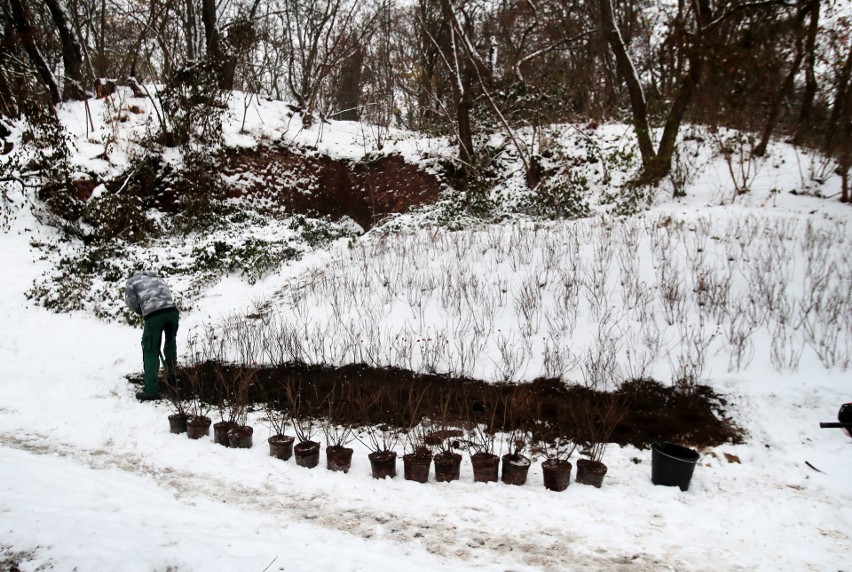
360, 395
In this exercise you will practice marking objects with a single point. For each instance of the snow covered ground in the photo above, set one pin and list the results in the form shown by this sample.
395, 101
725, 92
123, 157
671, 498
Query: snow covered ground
90, 479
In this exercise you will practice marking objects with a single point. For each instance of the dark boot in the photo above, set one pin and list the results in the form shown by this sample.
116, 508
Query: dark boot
142, 396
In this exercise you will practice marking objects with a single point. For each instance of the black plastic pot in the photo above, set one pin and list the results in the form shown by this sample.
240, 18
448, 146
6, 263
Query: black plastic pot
416, 466
515, 469
338, 458
383, 464
281, 446
177, 423
557, 474
485, 467
590, 472
220, 432
240, 437
307, 454
447, 466
197, 427
672, 465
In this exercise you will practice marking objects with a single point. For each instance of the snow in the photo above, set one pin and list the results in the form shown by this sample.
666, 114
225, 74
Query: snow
90, 479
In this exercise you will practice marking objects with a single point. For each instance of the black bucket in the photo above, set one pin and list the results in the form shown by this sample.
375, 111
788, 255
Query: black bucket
672, 465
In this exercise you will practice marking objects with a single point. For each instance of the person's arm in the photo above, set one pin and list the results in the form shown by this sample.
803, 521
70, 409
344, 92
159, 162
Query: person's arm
132, 299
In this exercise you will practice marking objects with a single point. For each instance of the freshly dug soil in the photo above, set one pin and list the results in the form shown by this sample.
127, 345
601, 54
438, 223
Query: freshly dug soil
652, 411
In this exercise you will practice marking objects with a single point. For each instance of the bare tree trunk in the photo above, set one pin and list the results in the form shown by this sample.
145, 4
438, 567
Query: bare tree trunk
845, 153
225, 64
8, 106
461, 86
634, 86
211, 31
838, 111
465, 128
844, 157
189, 29
656, 164
101, 56
348, 92
662, 163
241, 39
25, 32
318, 37
72, 52
775, 107
8, 100
786, 87
810, 61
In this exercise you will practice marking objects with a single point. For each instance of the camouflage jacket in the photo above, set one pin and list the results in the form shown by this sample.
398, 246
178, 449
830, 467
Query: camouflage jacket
145, 293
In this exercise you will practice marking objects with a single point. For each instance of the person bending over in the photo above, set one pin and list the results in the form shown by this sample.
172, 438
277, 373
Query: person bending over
147, 295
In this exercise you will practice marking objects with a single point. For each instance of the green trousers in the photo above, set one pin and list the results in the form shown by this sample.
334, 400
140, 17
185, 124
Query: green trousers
152, 336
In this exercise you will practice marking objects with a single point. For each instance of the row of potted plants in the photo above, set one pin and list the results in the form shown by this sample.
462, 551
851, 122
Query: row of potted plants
425, 443
424, 447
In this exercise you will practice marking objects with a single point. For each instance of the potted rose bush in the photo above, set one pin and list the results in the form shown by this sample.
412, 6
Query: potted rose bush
599, 421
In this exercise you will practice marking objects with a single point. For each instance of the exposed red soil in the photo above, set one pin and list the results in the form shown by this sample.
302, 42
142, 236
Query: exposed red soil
317, 185
272, 179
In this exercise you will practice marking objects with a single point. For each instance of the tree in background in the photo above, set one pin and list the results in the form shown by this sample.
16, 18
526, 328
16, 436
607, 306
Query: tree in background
691, 26
317, 38
25, 32
462, 68
838, 138
795, 25
72, 52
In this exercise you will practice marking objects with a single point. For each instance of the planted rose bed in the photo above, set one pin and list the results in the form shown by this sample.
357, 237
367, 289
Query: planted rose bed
503, 429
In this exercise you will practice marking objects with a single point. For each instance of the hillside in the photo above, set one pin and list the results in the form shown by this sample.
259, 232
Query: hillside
740, 285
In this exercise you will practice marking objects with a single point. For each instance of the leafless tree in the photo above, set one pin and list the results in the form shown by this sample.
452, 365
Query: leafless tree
657, 162
72, 51
319, 36
801, 45
19, 15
